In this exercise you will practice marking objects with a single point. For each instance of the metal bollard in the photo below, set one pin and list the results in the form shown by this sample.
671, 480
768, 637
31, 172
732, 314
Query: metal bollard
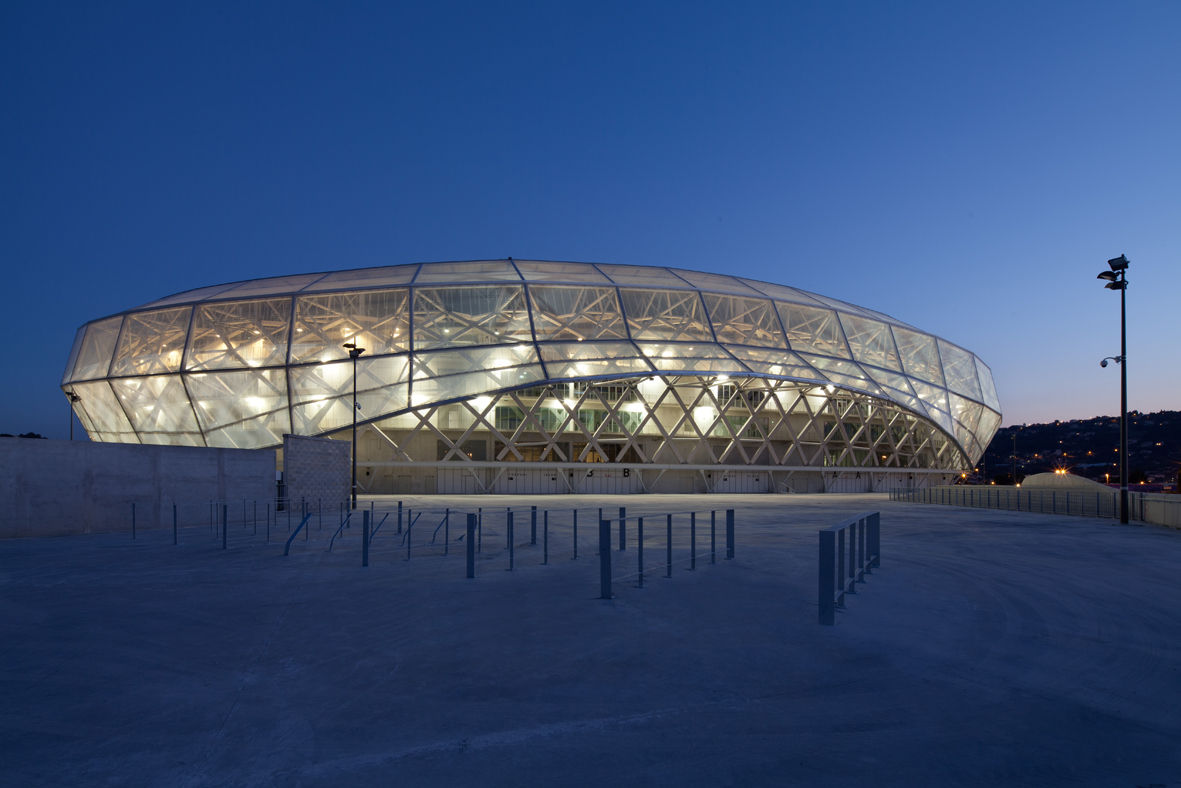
480, 529
133, 521
604, 559
268, 521
640, 548
365, 538
446, 531
729, 534
668, 546
471, 546
510, 538
575, 556
399, 517
409, 531
713, 537
174, 523
532, 525
622, 528
225, 516
692, 540
254, 519
545, 538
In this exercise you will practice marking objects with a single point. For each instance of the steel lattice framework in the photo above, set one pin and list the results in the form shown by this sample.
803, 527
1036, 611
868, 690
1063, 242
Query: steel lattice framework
504, 365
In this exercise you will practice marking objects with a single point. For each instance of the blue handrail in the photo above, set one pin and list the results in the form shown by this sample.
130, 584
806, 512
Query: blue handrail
287, 547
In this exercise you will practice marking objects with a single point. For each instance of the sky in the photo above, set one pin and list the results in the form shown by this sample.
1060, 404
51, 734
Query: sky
965, 167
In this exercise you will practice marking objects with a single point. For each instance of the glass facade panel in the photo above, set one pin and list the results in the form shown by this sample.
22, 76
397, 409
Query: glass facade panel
543, 271
377, 320
813, 330
717, 283
592, 359
104, 412
152, 342
690, 358
871, 342
451, 316
322, 394
843, 373
920, 358
93, 359
782, 292
780, 363
666, 315
364, 278
643, 275
959, 367
158, 407
189, 296
79, 336
475, 271
278, 284
576, 313
241, 409
238, 334
744, 321
987, 386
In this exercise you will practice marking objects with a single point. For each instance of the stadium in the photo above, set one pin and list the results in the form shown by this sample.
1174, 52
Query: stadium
515, 376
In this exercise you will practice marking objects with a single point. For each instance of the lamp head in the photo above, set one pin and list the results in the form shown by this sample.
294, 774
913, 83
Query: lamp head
1120, 285
1103, 363
1108, 275
1118, 263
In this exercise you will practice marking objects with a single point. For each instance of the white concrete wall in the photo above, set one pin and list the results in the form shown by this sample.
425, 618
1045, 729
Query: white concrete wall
54, 487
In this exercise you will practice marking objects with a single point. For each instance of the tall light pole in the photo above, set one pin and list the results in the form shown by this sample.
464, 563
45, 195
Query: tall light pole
1116, 279
354, 353
73, 399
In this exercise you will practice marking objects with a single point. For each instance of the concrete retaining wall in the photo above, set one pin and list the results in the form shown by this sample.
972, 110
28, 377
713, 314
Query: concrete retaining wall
316, 469
54, 487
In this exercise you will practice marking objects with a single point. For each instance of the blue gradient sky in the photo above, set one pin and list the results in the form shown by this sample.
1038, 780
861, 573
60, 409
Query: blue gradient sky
964, 167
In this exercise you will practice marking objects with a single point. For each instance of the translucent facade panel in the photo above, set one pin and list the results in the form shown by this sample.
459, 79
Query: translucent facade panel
987, 386
744, 321
104, 412
491, 359
278, 284
844, 373
542, 271
475, 271
189, 296
959, 367
989, 421
152, 342
239, 334
242, 409
377, 320
779, 363
894, 380
79, 336
666, 315
364, 277
844, 306
690, 358
934, 401
782, 292
473, 383
592, 359
159, 409
451, 316
93, 359
322, 394
812, 330
642, 275
576, 313
871, 341
716, 282
967, 418
920, 357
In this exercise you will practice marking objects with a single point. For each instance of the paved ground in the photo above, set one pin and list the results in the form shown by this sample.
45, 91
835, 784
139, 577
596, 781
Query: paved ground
991, 648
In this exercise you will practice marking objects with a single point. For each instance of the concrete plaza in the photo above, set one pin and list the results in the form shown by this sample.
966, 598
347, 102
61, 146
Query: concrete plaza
991, 648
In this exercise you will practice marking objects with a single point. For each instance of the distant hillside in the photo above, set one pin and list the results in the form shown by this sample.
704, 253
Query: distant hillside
1089, 448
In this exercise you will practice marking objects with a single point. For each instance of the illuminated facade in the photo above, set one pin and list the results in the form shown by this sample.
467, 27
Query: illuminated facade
530, 376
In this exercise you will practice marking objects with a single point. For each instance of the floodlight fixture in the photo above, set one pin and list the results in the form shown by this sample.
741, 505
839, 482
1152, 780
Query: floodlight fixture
1108, 275
1116, 279
1118, 263
354, 353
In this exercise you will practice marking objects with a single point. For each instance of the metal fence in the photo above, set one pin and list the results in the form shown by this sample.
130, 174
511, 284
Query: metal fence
1156, 508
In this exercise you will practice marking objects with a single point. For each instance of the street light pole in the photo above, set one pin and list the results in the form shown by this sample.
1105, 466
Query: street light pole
1116, 279
354, 353
73, 399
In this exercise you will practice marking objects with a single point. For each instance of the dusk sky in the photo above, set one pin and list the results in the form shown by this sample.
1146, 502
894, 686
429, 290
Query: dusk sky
964, 167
